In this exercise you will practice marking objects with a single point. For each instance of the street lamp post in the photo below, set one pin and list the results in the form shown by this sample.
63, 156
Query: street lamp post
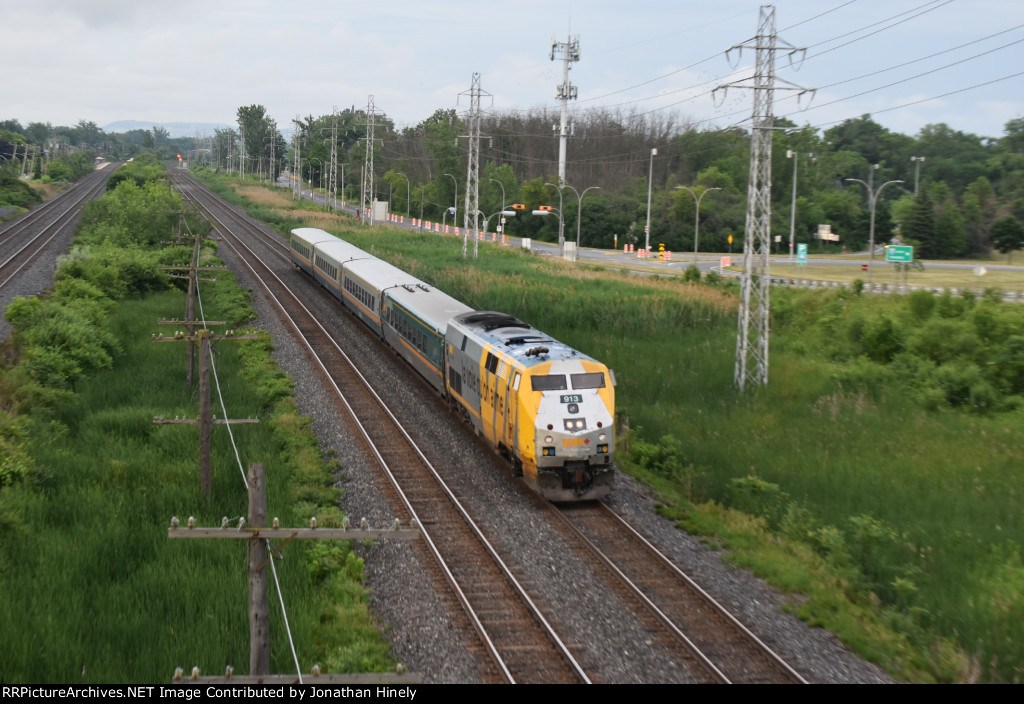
872, 202
561, 222
579, 211
487, 220
650, 180
320, 168
455, 206
502, 185
790, 154
795, 156
556, 211
342, 190
408, 194
696, 216
310, 162
917, 170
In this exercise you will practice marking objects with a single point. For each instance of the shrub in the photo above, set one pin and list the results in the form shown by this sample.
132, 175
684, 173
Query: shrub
943, 340
921, 304
861, 374
754, 495
963, 385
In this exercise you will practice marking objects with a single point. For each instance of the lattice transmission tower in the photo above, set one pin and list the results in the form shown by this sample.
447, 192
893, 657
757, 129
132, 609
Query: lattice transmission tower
333, 176
753, 329
367, 197
471, 211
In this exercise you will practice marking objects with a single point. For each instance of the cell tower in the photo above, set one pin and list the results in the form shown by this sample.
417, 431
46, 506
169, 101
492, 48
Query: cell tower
367, 199
569, 51
752, 333
471, 212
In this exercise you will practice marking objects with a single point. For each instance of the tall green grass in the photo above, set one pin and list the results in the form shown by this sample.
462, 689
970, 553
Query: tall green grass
91, 588
899, 523
917, 510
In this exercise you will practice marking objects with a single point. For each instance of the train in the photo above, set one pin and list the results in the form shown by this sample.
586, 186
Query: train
546, 407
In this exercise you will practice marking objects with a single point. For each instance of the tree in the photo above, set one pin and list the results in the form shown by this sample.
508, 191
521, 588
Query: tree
958, 158
257, 132
87, 133
1007, 234
864, 136
920, 226
491, 192
224, 146
979, 209
1013, 141
39, 132
952, 233
160, 135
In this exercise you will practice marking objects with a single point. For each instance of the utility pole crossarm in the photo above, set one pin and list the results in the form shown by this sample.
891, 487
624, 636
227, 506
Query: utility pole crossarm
160, 420
164, 321
261, 552
193, 338
246, 533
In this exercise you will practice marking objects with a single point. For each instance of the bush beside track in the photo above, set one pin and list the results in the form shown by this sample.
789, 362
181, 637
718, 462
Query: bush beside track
91, 585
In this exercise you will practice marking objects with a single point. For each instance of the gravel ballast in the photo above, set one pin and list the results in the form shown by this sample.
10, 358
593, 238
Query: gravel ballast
423, 636
414, 611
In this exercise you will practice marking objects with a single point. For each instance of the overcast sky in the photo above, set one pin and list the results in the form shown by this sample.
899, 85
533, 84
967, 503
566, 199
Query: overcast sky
906, 62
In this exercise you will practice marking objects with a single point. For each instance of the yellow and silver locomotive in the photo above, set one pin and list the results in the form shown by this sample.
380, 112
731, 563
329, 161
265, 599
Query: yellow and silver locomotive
547, 407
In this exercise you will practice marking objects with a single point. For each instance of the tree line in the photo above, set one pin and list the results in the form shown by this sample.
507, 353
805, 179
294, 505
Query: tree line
957, 194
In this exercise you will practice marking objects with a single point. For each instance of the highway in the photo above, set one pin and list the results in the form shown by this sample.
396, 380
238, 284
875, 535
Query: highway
681, 260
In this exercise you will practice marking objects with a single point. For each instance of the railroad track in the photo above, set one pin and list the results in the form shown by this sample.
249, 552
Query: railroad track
677, 614
521, 644
725, 650
24, 239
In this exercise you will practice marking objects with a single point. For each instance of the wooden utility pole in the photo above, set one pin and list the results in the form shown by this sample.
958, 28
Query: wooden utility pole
190, 301
205, 421
257, 535
259, 612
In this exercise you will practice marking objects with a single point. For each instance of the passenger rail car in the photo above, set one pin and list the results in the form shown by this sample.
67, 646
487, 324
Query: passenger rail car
545, 406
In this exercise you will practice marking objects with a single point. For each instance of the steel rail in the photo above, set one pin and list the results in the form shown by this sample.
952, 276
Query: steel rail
759, 648
521, 592
55, 226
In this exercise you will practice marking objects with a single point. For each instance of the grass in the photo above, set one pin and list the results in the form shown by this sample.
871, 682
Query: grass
92, 589
899, 526
884, 273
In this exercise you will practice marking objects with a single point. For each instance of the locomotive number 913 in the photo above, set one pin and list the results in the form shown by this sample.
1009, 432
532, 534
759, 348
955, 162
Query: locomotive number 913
548, 408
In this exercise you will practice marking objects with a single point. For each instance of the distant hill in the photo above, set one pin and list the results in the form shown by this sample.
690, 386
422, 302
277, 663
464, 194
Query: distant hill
176, 129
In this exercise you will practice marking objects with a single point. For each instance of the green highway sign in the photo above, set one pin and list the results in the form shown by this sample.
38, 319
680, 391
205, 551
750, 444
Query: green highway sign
899, 253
